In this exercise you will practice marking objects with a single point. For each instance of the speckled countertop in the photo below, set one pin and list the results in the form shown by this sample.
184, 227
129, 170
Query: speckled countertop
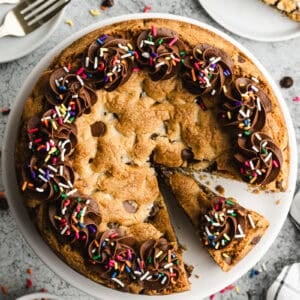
281, 59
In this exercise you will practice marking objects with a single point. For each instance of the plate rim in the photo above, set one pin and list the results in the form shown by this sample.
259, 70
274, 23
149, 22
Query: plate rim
55, 20
207, 8
9, 178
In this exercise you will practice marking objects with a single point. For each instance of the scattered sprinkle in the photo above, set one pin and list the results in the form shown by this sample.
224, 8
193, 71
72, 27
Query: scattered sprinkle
29, 271
264, 267
4, 290
69, 22
147, 8
28, 283
278, 202
253, 272
296, 99
94, 12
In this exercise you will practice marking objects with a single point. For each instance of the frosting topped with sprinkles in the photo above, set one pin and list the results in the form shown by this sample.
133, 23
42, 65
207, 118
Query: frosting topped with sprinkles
109, 62
259, 158
113, 255
208, 69
224, 222
161, 52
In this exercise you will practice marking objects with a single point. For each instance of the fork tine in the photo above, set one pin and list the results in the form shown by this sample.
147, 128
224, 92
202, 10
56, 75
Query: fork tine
36, 10
48, 13
29, 5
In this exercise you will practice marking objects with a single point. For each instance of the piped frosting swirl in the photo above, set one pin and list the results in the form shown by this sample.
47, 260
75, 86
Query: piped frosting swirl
224, 222
207, 70
259, 158
75, 219
109, 62
160, 53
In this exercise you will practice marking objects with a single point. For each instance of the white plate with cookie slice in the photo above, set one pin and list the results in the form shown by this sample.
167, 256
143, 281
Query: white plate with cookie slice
205, 269
252, 19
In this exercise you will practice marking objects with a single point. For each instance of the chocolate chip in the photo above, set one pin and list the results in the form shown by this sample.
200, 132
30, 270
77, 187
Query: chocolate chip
130, 206
107, 3
116, 116
3, 201
154, 210
113, 225
279, 185
212, 168
98, 129
241, 59
255, 240
189, 269
187, 154
153, 136
286, 82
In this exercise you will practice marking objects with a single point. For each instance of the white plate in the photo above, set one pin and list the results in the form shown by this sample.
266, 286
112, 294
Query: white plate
12, 47
39, 296
204, 265
252, 19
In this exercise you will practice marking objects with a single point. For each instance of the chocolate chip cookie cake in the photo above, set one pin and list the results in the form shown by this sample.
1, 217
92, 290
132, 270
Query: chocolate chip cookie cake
124, 104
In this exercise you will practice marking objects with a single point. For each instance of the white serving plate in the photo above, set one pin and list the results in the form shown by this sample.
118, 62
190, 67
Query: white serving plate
252, 19
211, 278
39, 296
13, 47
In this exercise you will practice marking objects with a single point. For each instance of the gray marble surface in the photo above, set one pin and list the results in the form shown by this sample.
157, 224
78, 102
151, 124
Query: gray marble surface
281, 59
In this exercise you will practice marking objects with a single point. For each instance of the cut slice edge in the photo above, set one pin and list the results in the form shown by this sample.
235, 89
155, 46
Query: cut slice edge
197, 201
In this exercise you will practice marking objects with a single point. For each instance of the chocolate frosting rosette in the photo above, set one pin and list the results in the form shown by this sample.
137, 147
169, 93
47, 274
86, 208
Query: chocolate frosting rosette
48, 171
160, 52
112, 255
259, 158
245, 107
48, 182
109, 62
75, 219
70, 92
158, 264
223, 222
207, 70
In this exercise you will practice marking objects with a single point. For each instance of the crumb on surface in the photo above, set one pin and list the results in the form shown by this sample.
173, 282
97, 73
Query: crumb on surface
220, 189
94, 12
69, 22
189, 269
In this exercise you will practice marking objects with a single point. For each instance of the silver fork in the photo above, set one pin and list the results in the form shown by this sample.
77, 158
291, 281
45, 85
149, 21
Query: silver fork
29, 15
